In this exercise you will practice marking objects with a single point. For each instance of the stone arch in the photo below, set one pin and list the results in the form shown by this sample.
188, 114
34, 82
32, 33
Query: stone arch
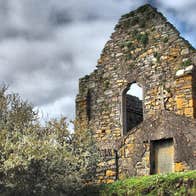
132, 106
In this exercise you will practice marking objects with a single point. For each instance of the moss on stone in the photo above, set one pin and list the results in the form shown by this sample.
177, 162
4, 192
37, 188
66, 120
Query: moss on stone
106, 84
135, 21
186, 63
165, 40
129, 56
142, 23
142, 38
127, 44
144, 8
157, 56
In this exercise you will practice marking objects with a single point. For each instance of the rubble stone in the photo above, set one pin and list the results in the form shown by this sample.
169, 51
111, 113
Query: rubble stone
163, 64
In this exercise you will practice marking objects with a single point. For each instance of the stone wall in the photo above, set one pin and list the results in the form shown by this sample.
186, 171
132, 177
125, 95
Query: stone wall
134, 154
154, 64
145, 48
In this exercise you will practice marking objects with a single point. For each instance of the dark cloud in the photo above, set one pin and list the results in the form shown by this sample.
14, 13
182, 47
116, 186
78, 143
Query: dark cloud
46, 45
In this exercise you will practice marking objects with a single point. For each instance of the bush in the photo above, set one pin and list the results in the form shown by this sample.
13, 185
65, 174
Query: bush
41, 160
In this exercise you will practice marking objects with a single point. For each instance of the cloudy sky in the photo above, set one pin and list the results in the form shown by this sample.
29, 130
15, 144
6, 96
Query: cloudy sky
47, 45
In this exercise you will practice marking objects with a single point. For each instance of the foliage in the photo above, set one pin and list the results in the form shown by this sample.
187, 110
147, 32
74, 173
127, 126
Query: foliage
135, 20
165, 40
143, 38
142, 23
41, 160
143, 9
15, 114
157, 56
186, 63
169, 184
128, 44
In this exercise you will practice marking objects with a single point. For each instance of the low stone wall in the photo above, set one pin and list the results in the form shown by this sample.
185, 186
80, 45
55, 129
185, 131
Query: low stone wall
134, 155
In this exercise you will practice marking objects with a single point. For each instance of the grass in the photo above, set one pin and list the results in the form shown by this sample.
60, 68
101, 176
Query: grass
173, 184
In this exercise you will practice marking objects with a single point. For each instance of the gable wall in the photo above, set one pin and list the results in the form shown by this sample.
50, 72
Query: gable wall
145, 49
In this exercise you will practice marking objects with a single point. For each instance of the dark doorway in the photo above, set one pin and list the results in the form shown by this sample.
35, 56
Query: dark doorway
162, 156
132, 107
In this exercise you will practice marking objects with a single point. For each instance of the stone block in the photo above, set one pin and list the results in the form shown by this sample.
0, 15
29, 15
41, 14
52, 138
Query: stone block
110, 173
179, 103
179, 167
188, 111
185, 51
191, 103
109, 181
189, 68
111, 162
180, 73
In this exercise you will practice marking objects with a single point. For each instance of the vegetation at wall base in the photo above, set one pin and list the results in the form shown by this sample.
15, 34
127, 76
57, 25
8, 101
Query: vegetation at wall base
173, 184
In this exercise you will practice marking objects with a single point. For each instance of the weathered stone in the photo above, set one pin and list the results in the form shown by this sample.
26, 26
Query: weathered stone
185, 51
179, 167
108, 181
179, 103
189, 68
180, 72
110, 173
119, 54
163, 64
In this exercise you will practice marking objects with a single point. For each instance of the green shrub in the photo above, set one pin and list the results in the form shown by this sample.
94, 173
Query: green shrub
183, 183
143, 38
165, 40
186, 63
135, 21
41, 160
157, 56
142, 9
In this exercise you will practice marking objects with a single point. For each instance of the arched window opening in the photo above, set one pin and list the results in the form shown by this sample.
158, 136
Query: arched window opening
88, 106
132, 107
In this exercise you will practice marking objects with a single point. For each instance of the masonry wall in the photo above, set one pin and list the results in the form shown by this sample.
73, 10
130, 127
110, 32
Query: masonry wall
150, 53
134, 154
146, 49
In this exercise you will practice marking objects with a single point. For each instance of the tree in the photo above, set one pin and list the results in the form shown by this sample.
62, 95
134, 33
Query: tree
41, 160
15, 114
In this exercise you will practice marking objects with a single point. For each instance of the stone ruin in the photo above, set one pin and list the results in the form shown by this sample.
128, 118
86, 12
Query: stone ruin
153, 135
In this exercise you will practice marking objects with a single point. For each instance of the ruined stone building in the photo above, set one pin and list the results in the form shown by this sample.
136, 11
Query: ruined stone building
155, 133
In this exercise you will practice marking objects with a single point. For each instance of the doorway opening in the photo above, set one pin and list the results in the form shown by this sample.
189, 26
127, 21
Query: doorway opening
132, 107
162, 156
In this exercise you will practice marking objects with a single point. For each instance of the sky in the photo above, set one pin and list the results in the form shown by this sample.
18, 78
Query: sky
47, 45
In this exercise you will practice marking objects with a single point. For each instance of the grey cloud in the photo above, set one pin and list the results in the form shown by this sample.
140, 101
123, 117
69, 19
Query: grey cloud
47, 45
91, 10
35, 19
